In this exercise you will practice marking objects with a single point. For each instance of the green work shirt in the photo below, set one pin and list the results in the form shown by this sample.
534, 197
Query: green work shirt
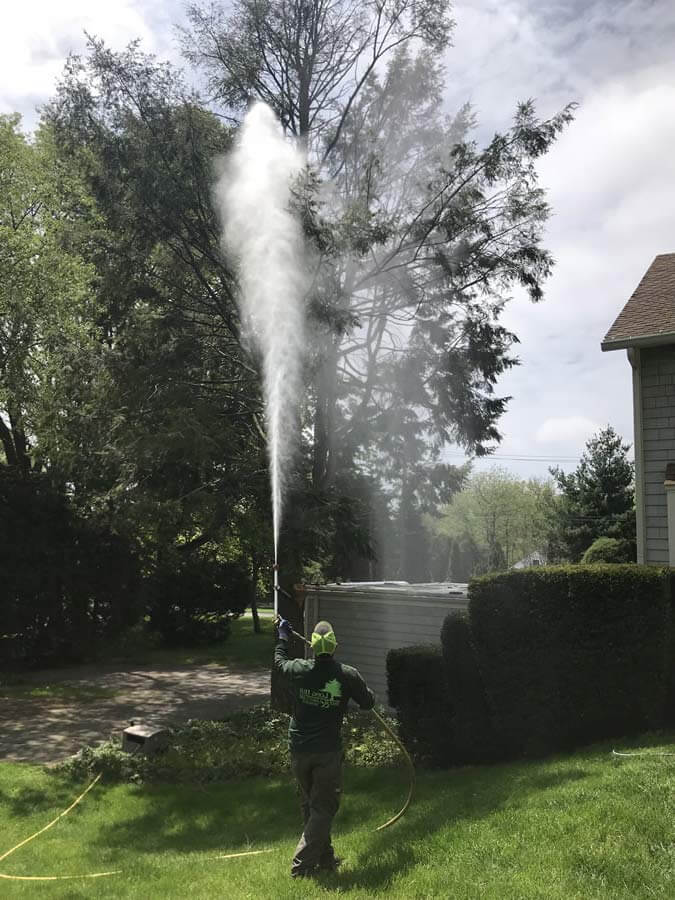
320, 690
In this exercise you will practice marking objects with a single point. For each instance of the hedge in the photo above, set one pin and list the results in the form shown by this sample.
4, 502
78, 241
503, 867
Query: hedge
572, 654
471, 733
670, 705
418, 693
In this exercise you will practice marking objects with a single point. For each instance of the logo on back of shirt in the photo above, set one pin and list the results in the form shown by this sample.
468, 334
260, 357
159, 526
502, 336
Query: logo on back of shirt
329, 695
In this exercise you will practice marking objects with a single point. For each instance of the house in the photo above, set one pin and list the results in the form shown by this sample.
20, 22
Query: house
645, 329
532, 559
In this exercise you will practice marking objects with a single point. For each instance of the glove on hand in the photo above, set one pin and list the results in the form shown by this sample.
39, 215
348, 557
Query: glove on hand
284, 630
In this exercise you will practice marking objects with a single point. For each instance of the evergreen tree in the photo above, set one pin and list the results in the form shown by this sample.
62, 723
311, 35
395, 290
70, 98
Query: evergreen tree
598, 497
420, 234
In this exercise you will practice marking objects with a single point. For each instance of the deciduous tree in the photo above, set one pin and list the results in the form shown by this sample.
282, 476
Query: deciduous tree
504, 516
47, 306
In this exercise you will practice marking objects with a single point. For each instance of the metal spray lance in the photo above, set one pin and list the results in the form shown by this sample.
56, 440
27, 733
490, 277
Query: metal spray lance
275, 569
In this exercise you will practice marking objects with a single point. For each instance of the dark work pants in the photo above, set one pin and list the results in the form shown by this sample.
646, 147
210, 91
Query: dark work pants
319, 776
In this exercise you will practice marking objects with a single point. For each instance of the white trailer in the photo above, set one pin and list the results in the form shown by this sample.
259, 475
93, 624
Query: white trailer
372, 618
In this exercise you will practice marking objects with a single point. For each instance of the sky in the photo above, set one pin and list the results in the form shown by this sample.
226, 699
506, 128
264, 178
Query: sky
610, 178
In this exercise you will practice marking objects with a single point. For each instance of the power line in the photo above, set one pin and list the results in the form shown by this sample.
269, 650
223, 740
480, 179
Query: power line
524, 458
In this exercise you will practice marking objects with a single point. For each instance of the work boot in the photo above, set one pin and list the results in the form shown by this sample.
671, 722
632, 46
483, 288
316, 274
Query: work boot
302, 873
330, 863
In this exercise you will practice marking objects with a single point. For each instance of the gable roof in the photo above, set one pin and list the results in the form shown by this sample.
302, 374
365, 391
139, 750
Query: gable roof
649, 316
536, 558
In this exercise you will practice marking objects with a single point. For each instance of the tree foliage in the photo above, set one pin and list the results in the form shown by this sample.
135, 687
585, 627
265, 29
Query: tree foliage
123, 374
607, 550
598, 497
501, 517
46, 302
419, 233
68, 584
178, 441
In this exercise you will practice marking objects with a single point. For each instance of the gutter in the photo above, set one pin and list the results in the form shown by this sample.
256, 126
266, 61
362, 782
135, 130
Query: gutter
647, 340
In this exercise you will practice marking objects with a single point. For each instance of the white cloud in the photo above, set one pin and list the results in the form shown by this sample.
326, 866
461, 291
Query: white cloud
610, 180
610, 177
572, 428
36, 38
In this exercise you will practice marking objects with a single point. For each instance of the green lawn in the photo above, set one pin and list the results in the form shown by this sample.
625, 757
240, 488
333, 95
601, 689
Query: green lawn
243, 648
58, 690
582, 826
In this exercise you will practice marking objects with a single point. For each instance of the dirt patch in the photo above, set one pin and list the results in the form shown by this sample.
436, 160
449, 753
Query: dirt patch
49, 729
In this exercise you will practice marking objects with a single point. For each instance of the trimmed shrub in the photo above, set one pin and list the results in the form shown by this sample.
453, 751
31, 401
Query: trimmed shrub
670, 704
417, 691
473, 737
608, 550
573, 654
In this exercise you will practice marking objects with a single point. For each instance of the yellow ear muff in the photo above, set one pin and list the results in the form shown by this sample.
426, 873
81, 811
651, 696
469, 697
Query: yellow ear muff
323, 643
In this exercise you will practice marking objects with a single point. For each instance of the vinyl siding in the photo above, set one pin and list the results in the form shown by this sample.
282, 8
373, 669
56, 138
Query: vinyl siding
368, 624
657, 370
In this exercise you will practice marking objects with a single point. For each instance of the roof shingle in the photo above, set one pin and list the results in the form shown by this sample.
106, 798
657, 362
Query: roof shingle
650, 312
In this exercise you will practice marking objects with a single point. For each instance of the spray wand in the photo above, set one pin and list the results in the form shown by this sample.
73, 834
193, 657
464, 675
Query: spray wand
277, 588
380, 719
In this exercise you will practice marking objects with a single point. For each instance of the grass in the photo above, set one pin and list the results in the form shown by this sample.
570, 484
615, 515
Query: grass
242, 649
587, 825
67, 691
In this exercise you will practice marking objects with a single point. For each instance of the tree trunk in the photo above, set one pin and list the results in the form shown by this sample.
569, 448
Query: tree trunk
8, 444
404, 527
20, 441
323, 463
254, 599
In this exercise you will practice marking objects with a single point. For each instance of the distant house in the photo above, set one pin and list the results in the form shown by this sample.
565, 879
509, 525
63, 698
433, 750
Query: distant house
645, 328
532, 559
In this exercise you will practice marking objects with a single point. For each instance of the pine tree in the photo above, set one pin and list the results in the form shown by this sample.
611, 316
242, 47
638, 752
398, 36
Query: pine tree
598, 497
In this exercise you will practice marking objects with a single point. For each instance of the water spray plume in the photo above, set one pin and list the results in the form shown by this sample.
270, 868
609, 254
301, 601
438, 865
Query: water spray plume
253, 196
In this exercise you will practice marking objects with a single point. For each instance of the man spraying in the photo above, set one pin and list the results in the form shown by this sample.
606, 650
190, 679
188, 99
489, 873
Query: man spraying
320, 690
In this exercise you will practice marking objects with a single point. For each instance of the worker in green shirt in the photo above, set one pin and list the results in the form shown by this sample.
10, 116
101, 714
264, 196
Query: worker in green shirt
321, 688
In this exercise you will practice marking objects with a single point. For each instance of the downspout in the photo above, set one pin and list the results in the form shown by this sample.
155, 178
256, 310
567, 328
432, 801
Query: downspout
634, 359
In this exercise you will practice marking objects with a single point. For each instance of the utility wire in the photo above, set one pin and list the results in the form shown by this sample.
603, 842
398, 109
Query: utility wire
523, 457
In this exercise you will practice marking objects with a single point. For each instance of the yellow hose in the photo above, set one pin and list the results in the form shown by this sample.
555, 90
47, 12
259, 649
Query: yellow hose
223, 856
409, 761
93, 874
41, 831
